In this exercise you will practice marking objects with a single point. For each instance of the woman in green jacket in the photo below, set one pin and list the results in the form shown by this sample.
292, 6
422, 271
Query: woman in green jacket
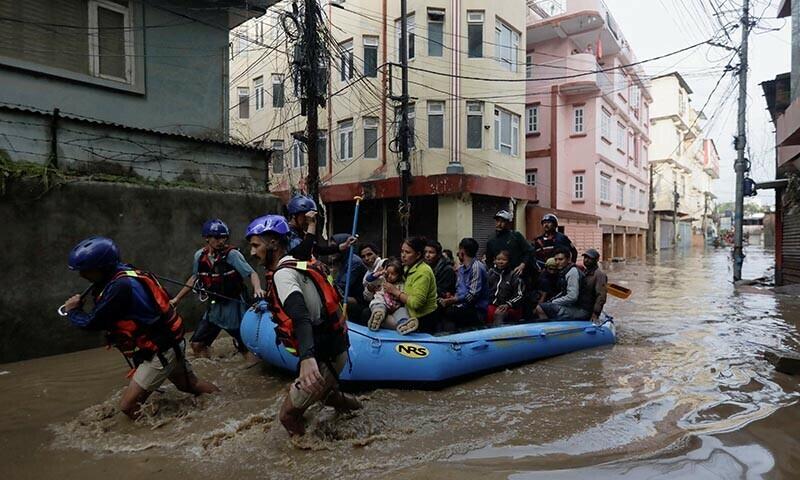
419, 294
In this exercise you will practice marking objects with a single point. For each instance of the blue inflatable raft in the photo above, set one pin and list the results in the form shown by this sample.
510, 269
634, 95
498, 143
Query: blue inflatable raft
385, 357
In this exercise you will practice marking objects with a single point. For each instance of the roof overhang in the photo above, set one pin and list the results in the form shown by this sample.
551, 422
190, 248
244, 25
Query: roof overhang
785, 8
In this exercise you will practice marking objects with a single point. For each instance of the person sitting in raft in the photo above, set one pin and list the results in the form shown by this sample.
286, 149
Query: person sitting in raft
596, 281
506, 290
302, 217
419, 295
547, 283
356, 272
370, 255
221, 269
468, 307
442, 269
574, 301
387, 311
306, 308
139, 321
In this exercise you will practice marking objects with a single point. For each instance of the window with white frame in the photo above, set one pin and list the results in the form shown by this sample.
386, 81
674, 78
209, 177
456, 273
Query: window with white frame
605, 124
258, 89
532, 119
578, 119
322, 148
506, 132
370, 56
346, 61
412, 115
435, 124
605, 187
277, 91
243, 102
298, 154
259, 31
620, 193
530, 177
277, 156
636, 97
475, 33
411, 36
474, 124
632, 199
111, 43
642, 200
578, 186
435, 32
370, 137
506, 42
622, 136
528, 67
681, 102
346, 140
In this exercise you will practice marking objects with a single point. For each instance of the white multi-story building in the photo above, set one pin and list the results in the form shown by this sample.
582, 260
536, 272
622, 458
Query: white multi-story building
467, 85
683, 163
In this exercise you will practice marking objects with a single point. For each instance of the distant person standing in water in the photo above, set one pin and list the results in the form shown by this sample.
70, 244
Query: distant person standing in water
139, 320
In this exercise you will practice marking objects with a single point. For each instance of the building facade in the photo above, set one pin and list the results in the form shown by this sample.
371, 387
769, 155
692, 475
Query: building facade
683, 166
467, 84
587, 127
783, 101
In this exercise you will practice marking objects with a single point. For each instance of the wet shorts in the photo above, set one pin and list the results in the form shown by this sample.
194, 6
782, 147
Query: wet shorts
152, 373
301, 399
561, 312
207, 332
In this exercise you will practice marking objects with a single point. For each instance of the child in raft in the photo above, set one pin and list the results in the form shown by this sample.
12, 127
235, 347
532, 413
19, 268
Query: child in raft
386, 311
507, 291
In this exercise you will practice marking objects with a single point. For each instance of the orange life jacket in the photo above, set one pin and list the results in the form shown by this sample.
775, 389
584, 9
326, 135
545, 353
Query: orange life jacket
333, 319
219, 276
140, 341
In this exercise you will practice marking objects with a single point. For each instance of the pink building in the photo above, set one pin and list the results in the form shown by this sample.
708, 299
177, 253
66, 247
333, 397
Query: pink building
587, 128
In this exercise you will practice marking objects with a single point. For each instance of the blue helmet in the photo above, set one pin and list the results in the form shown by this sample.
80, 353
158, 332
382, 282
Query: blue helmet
266, 224
301, 204
94, 253
215, 228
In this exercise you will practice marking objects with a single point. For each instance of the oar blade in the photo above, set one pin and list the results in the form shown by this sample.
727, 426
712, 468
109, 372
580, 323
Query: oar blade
618, 291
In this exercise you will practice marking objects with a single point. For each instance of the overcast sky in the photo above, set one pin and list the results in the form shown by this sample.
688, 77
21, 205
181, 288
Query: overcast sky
656, 27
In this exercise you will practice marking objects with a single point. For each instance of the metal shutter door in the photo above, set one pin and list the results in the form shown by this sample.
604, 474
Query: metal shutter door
791, 245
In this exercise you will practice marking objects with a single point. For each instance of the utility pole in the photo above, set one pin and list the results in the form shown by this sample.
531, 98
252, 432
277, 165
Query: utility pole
741, 141
675, 201
651, 217
312, 100
404, 133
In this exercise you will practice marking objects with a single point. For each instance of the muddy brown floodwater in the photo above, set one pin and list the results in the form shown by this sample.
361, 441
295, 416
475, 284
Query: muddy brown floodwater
684, 394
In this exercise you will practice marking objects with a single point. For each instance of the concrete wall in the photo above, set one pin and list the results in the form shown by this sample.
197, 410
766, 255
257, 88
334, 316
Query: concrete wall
180, 86
158, 229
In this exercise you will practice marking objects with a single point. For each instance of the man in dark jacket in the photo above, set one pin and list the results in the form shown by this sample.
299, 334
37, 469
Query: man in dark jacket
545, 245
442, 270
506, 238
595, 280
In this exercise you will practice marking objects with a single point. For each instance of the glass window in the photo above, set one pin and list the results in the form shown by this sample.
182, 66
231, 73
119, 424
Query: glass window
621, 193
577, 183
642, 200
506, 132
346, 63
411, 36
532, 119
529, 66
370, 56
298, 155
530, 177
277, 91
622, 136
244, 102
506, 45
110, 41
605, 124
435, 32
322, 149
578, 120
258, 88
370, 137
632, 199
346, 140
277, 156
605, 187
474, 125
435, 124
475, 34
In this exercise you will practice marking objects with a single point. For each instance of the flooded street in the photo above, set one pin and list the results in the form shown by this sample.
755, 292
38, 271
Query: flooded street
684, 394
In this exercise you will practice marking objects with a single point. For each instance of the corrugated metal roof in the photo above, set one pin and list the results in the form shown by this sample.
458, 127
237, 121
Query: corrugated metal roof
95, 121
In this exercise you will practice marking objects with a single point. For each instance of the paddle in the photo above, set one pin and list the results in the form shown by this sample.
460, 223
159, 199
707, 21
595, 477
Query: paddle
618, 291
350, 255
